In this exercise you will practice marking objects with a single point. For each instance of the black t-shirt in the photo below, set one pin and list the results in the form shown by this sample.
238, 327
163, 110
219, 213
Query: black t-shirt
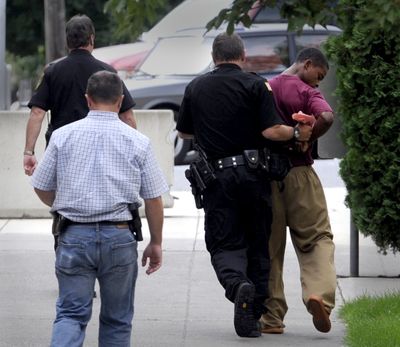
63, 86
227, 110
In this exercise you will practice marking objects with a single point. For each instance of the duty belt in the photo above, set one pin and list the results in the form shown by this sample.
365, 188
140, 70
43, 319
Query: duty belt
223, 163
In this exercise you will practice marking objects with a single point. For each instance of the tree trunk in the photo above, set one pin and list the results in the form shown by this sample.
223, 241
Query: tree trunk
54, 19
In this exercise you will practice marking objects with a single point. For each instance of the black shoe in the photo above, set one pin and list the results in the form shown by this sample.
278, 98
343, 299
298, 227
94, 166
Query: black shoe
245, 323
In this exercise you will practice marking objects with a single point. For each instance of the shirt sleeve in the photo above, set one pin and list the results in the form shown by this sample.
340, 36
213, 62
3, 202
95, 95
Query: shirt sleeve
316, 103
185, 119
153, 183
41, 96
268, 114
127, 102
45, 175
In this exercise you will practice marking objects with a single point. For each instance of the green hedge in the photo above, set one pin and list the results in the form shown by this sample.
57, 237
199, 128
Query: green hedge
368, 58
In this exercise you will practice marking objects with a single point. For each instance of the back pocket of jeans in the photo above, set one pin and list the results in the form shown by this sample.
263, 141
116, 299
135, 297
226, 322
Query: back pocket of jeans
124, 254
71, 257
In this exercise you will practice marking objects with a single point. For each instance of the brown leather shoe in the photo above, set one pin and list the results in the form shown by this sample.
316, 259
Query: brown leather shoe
265, 329
320, 317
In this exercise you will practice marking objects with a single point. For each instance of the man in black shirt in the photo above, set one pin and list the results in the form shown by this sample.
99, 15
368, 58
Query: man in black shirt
62, 88
230, 113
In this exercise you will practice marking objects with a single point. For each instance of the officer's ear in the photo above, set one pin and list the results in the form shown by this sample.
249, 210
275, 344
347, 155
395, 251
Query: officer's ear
91, 40
243, 56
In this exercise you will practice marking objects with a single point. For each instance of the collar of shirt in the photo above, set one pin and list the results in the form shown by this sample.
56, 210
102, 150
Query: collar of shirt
79, 51
228, 66
103, 114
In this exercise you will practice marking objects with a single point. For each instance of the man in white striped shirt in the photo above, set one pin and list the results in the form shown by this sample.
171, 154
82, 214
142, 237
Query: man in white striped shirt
92, 171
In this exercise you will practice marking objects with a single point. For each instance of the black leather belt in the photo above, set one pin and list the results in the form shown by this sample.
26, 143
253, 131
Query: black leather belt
236, 160
118, 224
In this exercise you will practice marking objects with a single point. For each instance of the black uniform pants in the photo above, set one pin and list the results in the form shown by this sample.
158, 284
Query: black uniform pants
238, 219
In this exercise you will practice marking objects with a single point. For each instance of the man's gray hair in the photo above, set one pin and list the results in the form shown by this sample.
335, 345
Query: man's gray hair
104, 87
227, 47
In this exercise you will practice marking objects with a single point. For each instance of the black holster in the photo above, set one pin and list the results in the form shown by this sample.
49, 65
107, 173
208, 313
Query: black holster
252, 159
135, 224
200, 176
276, 164
60, 223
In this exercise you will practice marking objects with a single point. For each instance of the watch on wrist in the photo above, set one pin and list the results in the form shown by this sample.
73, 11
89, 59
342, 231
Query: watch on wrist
296, 132
26, 152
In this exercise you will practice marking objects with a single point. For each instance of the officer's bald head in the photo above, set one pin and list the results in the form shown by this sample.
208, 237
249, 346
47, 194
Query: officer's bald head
79, 31
227, 48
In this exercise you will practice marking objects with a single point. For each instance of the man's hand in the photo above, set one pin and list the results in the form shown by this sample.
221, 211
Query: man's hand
154, 253
30, 164
305, 132
302, 146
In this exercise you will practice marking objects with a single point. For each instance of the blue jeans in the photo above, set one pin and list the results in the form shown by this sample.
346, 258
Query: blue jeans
87, 252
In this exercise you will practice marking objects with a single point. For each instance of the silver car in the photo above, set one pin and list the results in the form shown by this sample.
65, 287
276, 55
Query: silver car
174, 61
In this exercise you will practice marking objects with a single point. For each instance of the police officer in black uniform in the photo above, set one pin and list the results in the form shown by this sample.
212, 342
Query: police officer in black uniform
62, 88
229, 113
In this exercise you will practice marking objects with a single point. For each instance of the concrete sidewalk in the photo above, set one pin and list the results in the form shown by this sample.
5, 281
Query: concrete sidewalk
182, 304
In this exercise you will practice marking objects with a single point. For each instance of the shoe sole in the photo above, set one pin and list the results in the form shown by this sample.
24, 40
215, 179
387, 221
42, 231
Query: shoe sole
272, 330
244, 321
320, 317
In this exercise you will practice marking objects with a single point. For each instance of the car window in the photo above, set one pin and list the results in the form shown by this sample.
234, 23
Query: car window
306, 41
189, 14
268, 15
266, 54
179, 56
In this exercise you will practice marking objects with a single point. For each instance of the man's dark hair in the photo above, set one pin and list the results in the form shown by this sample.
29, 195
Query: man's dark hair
104, 87
315, 55
78, 31
227, 47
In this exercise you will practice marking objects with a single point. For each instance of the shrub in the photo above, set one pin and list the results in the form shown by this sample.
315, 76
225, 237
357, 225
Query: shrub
367, 54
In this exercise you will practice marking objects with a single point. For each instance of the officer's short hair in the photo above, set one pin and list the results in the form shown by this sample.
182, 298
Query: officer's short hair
78, 31
227, 47
104, 87
315, 55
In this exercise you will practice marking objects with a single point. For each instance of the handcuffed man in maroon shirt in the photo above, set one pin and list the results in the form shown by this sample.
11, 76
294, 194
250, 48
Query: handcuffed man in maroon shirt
301, 204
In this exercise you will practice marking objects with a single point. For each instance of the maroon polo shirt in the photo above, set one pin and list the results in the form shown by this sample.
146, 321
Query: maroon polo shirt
292, 95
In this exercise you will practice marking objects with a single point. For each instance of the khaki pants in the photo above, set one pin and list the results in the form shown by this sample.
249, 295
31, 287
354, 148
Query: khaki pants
302, 207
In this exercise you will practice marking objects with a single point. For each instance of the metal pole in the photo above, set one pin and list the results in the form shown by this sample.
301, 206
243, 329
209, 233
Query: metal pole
3, 68
354, 248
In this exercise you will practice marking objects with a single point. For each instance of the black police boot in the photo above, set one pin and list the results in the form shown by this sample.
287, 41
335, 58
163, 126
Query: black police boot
246, 325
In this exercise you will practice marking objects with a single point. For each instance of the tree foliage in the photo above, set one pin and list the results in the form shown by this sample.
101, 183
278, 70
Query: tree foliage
298, 13
133, 17
24, 27
116, 21
367, 56
123, 21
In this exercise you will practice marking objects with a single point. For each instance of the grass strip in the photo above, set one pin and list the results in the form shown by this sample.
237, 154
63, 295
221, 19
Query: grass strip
372, 321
